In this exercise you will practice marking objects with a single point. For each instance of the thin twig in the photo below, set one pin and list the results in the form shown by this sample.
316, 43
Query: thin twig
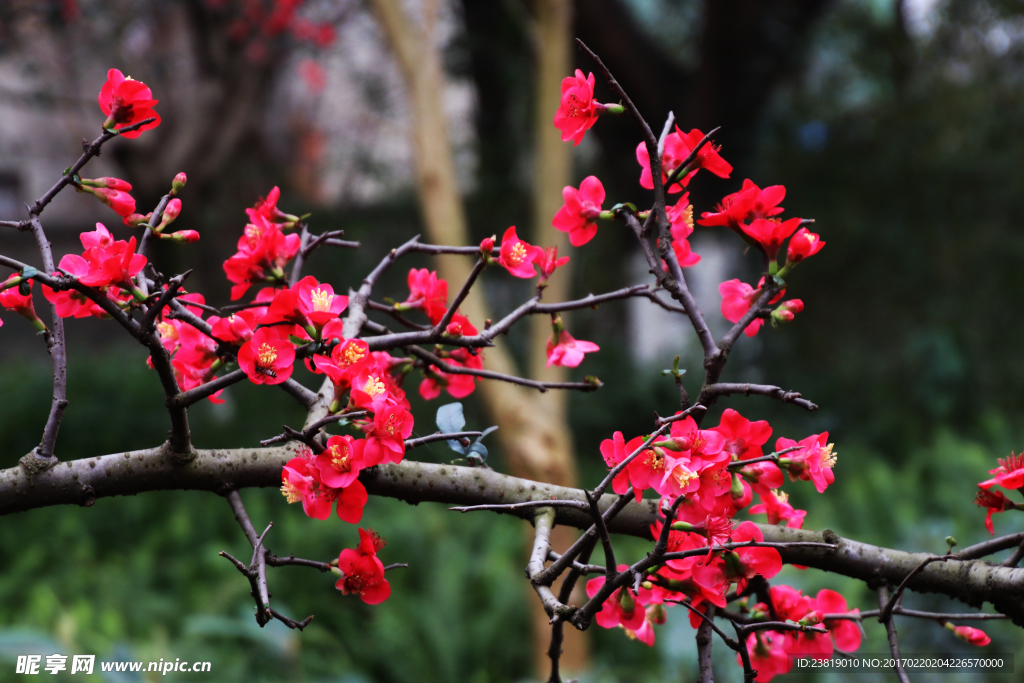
890, 630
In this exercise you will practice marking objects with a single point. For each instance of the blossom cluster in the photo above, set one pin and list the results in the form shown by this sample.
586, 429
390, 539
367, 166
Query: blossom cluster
701, 473
751, 212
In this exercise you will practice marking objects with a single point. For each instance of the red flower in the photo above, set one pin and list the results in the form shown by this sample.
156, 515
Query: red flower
385, 437
265, 210
370, 388
577, 111
813, 461
568, 352
775, 504
113, 265
518, 256
262, 251
457, 386
428, 293
770, 233
737, 298
266, 360
678, 146
804, 243
351, 501
738, 566
125, 102
996, 502
645, 634
319, 303
767, 655
614, 451
622, 607
549, 262
100, 237
844, 632
345, 361
341, 461
237, 328
743, 438
300, 482
364, 572
789, 603
680, 218
1009, 474
974, 636
645, 470
578, 216
749, 204
13, 300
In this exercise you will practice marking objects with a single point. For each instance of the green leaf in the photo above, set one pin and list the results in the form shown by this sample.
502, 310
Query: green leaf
450, 418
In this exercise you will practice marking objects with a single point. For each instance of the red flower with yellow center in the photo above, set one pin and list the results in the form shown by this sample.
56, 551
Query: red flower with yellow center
517, 256
266, 360
342, 460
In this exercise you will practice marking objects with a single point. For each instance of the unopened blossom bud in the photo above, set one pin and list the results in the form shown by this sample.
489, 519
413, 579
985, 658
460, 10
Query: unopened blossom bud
656, 613
178, 183
787, 310
112, 183
811, 619
736, 490
974, 636
487, 246
454, 329
133, 220
169, 215
119, 200
184, 236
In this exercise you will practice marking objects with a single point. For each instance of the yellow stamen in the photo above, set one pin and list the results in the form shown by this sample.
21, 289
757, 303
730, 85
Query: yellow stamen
267, 355
353, 354
291, 492
253, 234
339, 459
828, 458
688, 216
321, 300
683, 475
518, 254
374, 386
655, 460
780, 495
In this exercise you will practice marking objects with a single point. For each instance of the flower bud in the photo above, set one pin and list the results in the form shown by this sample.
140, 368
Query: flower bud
974, 636
169, 215
803, 244
183, 236
657, 614
178, 183
134, 220
787, 310
119, 200
487, 245
454, 329
112, 183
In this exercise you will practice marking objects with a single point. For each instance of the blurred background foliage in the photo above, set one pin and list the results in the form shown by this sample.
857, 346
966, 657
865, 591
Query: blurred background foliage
896, 125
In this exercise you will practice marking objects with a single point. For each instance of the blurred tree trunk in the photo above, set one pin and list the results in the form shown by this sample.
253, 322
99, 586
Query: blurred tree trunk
553, 171
534, 430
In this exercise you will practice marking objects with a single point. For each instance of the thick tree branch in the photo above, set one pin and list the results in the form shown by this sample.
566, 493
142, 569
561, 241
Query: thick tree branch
83, 481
